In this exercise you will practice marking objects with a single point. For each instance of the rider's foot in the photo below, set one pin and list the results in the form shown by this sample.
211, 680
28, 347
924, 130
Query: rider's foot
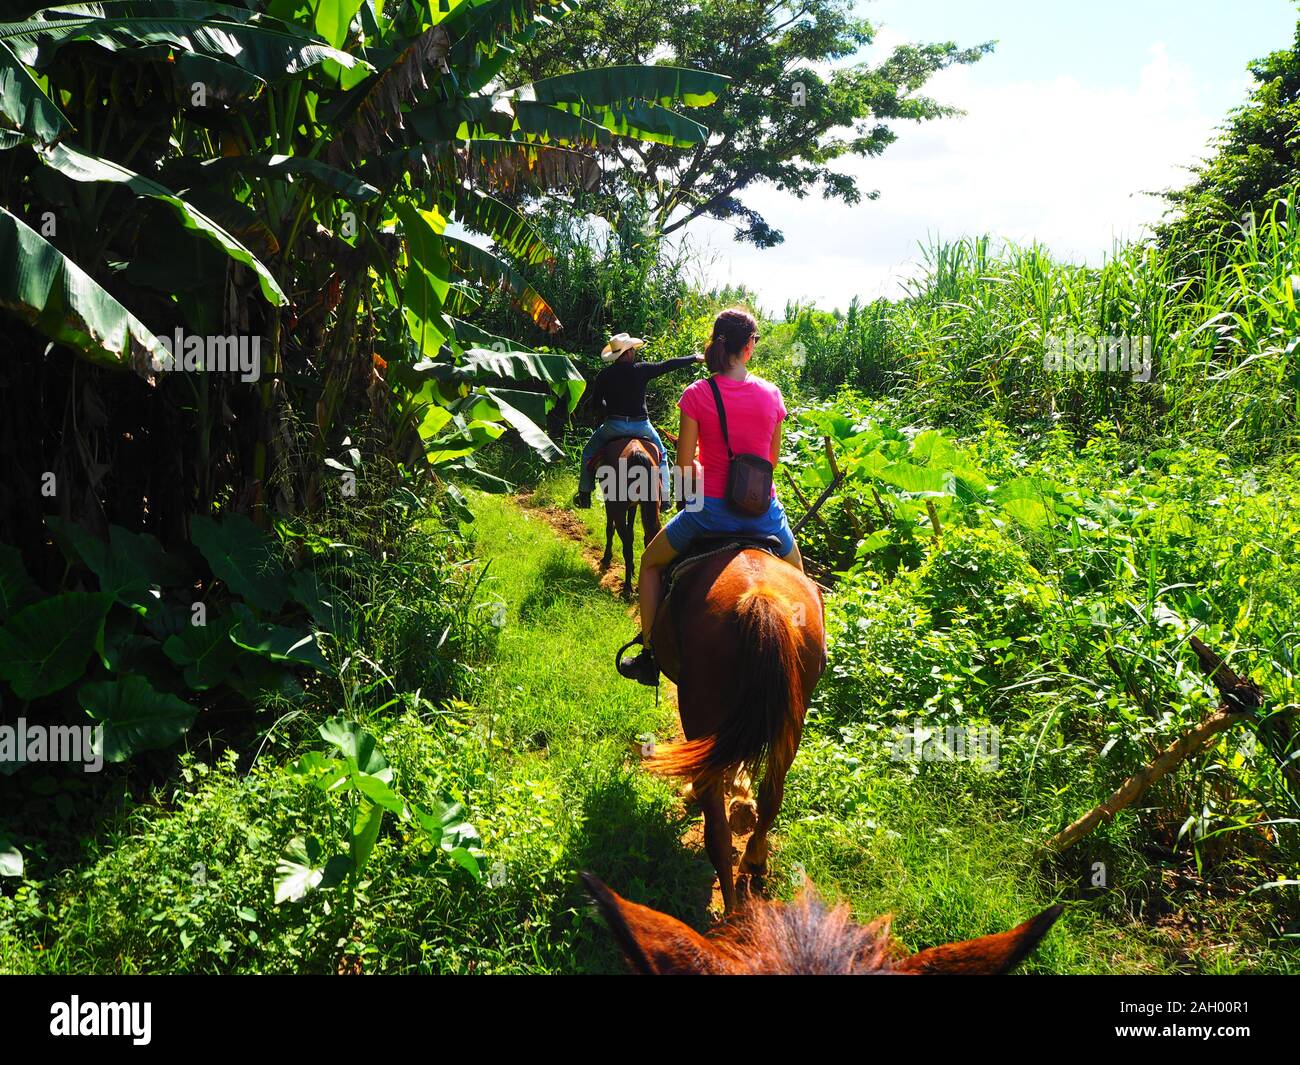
582, 500
642, 667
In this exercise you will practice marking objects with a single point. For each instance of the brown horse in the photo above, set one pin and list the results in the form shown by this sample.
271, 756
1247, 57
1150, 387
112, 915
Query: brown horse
803, 938
742, 635
628, 473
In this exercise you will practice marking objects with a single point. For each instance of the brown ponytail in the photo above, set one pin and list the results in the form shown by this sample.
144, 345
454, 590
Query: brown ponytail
731, 332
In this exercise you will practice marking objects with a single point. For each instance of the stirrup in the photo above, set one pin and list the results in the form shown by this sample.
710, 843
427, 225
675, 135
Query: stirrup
618, 655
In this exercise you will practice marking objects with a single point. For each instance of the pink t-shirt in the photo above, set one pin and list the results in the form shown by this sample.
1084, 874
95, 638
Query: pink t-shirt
754, 409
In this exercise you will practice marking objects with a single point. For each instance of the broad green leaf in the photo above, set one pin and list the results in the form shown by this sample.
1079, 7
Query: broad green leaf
558, 371
1029, 512
254, 676
325, 605
24, 105
298, 871
45, 647
56, 297
134, 716
244, 557
473, 261
16, 588
428, 277
356, 744
11, 859
507, 227
334, 17
364, 831
509, 402
379, 792
130, 566
287, 167
278, 643
270, 50
605, 86
221, 82
206, 652
913, 478
78, 166
466, 860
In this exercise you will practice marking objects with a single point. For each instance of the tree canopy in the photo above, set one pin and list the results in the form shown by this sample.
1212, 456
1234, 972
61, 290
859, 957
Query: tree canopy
1254, 161
794, 110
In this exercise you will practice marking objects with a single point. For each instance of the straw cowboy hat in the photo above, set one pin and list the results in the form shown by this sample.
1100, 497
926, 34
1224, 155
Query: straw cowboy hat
619, 343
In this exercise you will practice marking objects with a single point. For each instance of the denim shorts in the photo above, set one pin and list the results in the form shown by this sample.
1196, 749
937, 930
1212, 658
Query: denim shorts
716, 518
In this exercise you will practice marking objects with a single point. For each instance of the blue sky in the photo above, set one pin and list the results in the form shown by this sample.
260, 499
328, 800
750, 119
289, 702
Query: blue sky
1080, 110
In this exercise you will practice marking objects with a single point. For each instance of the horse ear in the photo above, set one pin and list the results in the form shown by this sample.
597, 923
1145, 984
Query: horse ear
653, 943
986, 956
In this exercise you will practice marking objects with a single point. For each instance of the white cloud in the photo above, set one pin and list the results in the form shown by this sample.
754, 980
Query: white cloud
1052, 160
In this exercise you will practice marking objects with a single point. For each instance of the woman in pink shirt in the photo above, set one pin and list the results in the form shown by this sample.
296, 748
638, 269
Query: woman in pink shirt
755, 411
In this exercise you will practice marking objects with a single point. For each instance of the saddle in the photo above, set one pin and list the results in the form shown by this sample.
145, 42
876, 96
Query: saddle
701, 549
708, 546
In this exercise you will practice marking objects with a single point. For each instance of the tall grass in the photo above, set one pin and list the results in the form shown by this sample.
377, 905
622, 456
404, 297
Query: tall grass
972, 335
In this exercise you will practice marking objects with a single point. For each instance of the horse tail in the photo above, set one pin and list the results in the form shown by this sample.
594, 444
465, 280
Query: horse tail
763, 722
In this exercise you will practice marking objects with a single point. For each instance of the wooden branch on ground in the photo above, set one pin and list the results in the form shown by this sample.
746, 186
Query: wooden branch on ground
1241, 696
836, 477
803, 499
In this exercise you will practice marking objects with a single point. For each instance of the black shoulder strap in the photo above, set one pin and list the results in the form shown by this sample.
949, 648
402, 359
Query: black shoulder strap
722, 415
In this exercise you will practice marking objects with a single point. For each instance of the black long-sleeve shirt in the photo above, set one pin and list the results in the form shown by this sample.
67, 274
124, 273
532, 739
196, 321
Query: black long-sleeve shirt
621, 386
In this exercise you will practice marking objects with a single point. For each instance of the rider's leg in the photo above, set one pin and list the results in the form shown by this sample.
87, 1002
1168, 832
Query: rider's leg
653, 434
586, 475
643, 667
657, 555
794, 558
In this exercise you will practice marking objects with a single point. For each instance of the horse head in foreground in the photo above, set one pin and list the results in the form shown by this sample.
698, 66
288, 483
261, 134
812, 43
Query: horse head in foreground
800, 938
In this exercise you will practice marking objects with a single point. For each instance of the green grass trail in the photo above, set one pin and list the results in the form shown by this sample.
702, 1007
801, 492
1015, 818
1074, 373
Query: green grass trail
939, 848
543, 755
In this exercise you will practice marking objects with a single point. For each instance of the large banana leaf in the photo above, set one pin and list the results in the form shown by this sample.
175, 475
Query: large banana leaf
24, 105
476, 364
53, 294
648, 122
487, 268
493, 163
525, 120
606, 86
557, 371
286, 167
633, 101
265, 48
80, 167
507, 227
521, 411
428, 277
468, 335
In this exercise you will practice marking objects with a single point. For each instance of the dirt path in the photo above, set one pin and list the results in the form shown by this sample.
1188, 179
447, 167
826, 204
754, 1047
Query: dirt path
740, 803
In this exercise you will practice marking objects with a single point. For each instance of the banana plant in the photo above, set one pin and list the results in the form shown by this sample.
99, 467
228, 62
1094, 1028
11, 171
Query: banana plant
341, 165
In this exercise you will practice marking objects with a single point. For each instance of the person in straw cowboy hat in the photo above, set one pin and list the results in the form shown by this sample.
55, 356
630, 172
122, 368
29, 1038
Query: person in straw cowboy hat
620, 389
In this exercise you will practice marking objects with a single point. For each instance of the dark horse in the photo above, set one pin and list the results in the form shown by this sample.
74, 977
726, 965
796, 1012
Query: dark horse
628, 473
742, 635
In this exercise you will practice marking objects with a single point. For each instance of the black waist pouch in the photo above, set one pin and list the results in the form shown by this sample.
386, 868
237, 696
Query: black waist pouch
749, 477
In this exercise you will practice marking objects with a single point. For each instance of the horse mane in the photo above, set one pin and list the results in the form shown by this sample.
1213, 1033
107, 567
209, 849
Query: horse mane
804, 938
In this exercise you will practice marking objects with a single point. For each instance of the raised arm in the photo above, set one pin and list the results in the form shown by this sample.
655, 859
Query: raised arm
654, 369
